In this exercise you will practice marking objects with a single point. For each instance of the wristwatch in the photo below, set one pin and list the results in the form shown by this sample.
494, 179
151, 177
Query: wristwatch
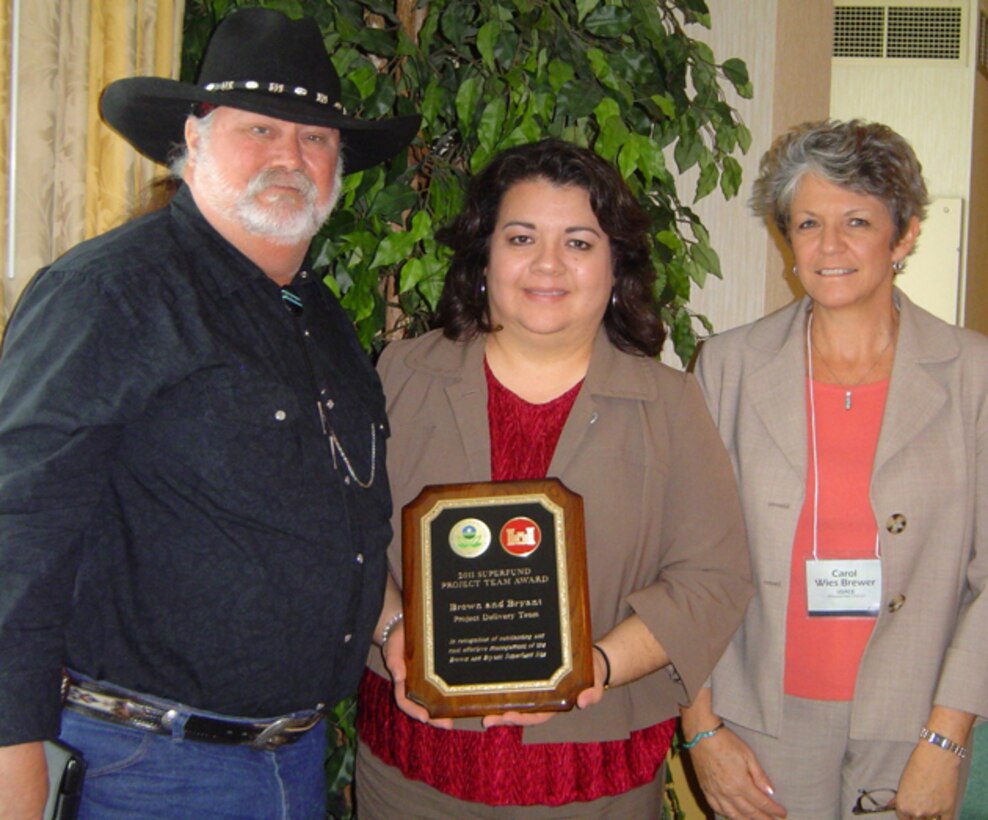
944, 743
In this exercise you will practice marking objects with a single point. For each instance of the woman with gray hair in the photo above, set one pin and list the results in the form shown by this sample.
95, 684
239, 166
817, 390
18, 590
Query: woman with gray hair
858, 428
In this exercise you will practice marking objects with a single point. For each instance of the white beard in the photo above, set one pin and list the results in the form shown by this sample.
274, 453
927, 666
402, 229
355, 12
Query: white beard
284, 222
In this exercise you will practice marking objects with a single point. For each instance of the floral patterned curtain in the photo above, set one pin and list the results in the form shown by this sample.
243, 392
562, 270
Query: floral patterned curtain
68, 176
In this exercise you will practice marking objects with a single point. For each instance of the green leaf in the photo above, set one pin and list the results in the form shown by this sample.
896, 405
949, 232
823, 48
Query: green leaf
454, 20
491, 121
608, 21
576, 100
744, 137
393, 248
670, 240
601, 65
613, 135
430, 284
706, 257
412, 272
696, 273
628, 157
365, 79
486, 39
707, 180
379, 42
559, 74
652, 161
584, 7
736, 71
506, 47
392, 201
433, 100
730, 177
421, 226
688, 149
607, 109
359, 302
467, 98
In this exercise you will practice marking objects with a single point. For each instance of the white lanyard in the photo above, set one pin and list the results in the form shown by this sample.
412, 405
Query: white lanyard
816, 470
845, 588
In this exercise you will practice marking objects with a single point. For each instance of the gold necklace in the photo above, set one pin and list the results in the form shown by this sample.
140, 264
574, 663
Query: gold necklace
849, 388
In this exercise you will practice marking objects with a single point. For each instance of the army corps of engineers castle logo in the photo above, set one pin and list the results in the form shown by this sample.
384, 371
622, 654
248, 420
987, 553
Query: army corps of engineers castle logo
521, 536
470, 537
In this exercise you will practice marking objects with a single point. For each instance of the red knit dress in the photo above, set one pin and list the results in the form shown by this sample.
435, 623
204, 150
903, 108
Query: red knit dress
523, 439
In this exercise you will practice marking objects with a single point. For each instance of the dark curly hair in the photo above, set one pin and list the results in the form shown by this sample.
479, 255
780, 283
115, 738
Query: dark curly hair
631, 318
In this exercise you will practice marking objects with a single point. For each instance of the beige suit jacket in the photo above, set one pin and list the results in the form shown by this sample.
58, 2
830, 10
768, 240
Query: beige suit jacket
929, 494
665, 538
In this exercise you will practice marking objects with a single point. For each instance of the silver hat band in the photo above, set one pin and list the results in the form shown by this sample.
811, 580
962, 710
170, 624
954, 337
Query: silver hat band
275, 88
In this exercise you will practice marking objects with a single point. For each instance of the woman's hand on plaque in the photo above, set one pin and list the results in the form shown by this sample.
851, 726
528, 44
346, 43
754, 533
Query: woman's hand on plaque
394, 659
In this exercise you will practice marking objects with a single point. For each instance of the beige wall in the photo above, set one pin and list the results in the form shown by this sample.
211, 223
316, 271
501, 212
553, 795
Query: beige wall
786, 46
801, 93
941, 107
976, 303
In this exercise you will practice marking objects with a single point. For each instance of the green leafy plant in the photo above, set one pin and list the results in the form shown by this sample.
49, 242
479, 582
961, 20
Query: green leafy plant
622, 76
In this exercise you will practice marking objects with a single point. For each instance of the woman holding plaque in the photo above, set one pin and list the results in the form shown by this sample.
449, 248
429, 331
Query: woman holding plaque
858, 424
544, 367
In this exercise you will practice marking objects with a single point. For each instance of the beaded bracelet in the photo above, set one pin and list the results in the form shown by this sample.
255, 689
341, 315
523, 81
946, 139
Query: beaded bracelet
390, 625
607, 665
701, 735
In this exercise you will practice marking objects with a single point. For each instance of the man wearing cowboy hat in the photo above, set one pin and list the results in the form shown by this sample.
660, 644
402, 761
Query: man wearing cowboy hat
193, 507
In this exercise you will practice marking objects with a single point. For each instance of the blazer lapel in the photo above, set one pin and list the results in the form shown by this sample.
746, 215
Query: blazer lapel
777, 389
468, 402
610, 373
914, 397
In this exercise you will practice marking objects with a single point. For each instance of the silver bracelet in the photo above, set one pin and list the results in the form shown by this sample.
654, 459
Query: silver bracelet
393, 621
944, 743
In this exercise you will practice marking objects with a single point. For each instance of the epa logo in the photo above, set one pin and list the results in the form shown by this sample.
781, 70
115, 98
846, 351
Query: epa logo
469, 537
521, 536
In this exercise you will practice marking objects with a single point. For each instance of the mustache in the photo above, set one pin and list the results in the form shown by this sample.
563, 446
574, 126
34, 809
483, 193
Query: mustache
297, 180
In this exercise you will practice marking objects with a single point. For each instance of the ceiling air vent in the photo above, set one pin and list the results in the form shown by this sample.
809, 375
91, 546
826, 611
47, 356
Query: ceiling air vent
874, 31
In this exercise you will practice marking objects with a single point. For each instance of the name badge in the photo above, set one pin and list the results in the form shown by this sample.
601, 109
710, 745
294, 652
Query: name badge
848, 588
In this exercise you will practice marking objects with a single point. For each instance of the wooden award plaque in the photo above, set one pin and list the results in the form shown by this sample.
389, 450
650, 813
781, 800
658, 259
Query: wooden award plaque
497, 616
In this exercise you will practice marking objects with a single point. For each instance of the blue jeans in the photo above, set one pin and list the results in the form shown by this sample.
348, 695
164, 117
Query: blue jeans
133, 773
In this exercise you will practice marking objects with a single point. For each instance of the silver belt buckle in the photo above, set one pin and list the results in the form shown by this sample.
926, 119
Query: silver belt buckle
278, 733
273, 735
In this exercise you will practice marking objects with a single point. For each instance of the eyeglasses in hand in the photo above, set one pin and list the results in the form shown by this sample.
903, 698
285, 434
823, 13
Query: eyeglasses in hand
874, 801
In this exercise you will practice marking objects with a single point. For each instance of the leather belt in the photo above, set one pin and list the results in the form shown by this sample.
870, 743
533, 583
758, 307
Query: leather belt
155, 716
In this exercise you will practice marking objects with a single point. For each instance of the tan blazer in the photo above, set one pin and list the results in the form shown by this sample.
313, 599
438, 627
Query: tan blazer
929, 493
664, 528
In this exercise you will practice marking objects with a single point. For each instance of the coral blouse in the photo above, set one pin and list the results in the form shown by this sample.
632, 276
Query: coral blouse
823, 653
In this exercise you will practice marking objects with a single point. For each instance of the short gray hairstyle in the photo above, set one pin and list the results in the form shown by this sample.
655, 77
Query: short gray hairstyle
867, 158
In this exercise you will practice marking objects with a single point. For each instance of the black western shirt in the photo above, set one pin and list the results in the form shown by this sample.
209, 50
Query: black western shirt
177, 515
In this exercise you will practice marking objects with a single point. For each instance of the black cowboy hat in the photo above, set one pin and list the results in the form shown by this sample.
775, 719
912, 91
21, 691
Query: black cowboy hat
256, 60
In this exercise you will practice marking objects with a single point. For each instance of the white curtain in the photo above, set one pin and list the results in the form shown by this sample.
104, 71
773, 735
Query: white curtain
65, 176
